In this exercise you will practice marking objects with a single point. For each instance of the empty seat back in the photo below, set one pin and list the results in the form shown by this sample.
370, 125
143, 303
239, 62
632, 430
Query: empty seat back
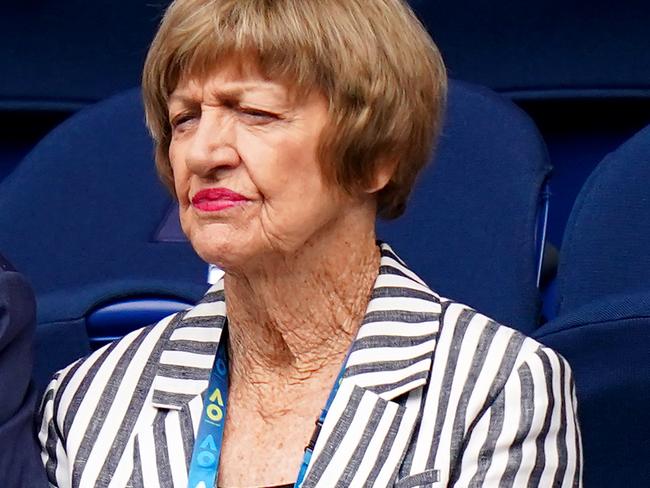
84, 212
607, 243
472, 228
603, 321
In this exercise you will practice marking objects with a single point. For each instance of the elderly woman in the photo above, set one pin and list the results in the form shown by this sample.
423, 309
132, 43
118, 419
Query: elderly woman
283, 128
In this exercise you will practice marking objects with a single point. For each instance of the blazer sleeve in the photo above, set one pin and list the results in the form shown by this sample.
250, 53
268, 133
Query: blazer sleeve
529, 436
20, 465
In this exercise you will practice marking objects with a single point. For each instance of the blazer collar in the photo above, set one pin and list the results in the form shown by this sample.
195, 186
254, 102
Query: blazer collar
187, 356
390, 356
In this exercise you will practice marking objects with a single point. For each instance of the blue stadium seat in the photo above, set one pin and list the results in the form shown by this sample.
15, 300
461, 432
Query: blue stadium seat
603, 315
544, 49
73, 52
85, 208
472, 228
607, 245
67, 54
58, 57
580, 69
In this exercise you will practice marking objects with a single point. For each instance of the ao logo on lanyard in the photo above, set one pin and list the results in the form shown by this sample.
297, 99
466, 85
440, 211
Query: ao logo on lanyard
207, 447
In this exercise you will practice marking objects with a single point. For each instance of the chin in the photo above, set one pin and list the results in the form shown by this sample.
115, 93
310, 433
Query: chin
222, 254
229, 254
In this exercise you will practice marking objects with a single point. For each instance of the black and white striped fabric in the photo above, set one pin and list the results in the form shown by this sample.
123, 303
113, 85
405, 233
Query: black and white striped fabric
434, 394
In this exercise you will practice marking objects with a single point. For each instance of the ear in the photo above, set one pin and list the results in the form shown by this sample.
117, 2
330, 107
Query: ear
383, 174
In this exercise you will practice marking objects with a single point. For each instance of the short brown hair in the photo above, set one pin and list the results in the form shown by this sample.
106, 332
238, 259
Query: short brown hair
372, 59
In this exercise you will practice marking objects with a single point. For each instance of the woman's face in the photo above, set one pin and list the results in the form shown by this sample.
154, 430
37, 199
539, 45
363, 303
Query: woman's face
243, 154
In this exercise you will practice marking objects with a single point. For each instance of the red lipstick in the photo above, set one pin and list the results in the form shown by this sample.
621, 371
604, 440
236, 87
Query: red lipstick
217, 199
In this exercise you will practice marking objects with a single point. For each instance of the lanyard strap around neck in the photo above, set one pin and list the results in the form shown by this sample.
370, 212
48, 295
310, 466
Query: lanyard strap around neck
309, 450
207, 445
204, 466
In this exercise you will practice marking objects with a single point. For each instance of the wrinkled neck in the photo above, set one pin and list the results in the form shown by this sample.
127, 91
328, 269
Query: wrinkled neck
295, 319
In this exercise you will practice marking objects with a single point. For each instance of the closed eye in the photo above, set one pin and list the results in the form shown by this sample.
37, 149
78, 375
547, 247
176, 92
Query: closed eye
181, 120
257, 116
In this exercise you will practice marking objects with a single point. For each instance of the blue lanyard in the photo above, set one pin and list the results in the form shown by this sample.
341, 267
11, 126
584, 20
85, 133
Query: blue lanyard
319, 424
207, 446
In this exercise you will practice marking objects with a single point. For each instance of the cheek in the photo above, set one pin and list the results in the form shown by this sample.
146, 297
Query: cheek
283, 170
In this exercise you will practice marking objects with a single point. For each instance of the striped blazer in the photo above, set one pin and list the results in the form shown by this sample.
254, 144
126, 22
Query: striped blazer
434, 394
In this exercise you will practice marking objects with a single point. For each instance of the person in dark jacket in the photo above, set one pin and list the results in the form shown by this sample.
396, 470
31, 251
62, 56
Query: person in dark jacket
20, 465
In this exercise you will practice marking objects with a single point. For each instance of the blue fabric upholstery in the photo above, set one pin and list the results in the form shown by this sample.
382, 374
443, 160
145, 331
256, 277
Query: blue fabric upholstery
579, 134
581, 69
549, 48
83, 209
66, 54
78, 52
603, 321
606, 248
470, 226
607, 344
20, 132
81, 213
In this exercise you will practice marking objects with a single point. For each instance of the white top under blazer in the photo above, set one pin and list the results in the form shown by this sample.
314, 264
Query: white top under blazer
434, 395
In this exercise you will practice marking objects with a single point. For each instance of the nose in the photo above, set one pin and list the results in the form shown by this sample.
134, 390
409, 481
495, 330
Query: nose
213, 144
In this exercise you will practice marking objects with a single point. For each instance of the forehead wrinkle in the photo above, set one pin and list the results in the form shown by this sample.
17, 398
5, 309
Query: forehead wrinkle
239, 91
236, 90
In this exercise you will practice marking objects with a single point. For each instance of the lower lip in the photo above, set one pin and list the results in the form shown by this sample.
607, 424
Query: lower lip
217, 205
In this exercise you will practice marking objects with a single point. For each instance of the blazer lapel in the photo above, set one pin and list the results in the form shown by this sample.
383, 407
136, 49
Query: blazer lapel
186, 361
163, 449
368, 429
